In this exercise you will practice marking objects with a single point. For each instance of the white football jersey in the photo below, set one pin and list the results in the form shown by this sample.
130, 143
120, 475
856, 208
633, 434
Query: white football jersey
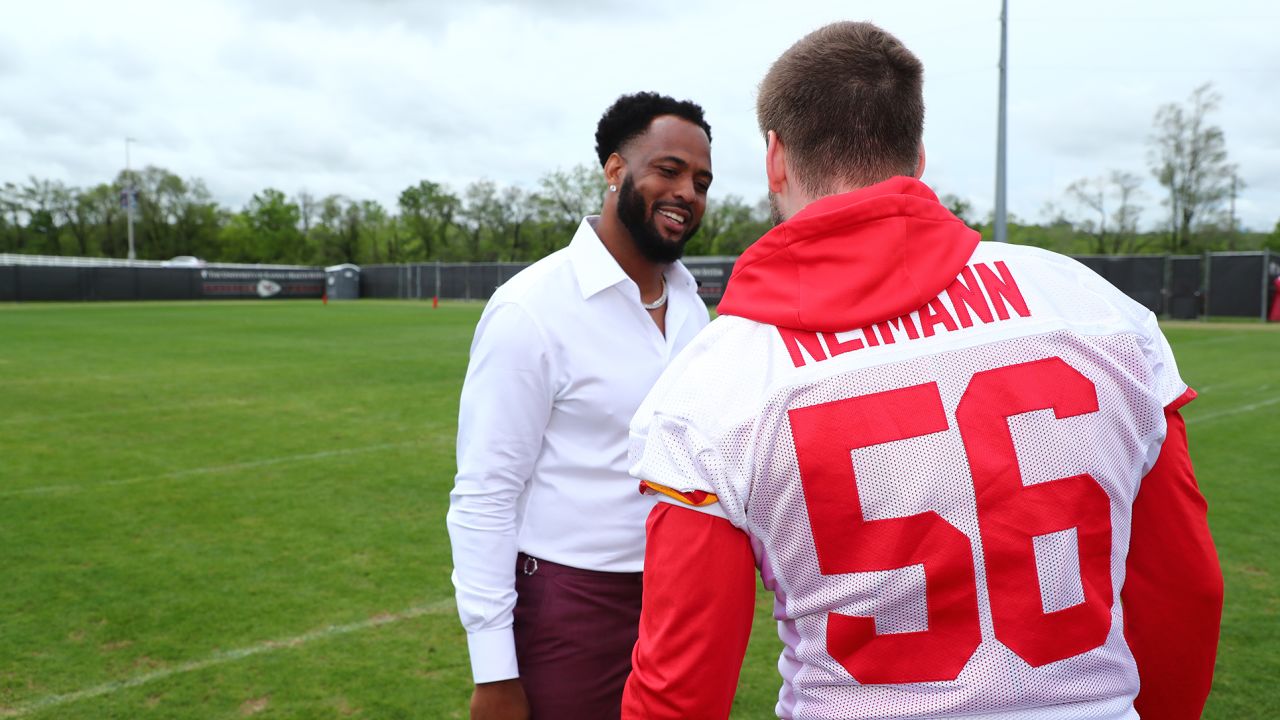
941, 502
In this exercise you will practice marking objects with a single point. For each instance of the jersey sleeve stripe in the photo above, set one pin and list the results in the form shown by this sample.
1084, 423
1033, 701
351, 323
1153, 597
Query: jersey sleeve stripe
696, 498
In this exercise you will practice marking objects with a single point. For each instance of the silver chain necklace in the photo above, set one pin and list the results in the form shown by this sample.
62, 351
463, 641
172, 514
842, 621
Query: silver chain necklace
662, 299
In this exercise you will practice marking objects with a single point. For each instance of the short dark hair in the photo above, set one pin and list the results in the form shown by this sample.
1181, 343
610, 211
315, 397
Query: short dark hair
629, 116
847, 101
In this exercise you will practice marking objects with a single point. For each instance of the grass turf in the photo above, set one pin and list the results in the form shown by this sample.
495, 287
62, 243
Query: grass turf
237, 509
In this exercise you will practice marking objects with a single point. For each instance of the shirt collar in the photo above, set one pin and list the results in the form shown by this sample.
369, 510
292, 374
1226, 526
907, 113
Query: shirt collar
596, 269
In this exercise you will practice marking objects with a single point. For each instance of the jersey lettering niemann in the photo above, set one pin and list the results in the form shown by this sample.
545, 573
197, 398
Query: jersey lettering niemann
952, 310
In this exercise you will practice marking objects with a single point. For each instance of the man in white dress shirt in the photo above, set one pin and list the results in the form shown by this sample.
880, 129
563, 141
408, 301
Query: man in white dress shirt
546, 525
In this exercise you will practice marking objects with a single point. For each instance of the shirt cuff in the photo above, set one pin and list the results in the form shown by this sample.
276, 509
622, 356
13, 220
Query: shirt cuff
493, 655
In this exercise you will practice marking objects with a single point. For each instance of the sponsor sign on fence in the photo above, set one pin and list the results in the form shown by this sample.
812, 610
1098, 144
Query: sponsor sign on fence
264, 284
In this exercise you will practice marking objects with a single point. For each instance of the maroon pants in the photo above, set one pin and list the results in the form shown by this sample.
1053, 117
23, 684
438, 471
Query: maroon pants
574, 633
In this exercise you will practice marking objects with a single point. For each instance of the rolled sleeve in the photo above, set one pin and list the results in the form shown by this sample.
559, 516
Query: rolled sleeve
503, 414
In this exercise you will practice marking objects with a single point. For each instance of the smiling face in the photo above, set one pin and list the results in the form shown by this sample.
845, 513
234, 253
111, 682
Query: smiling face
663, 192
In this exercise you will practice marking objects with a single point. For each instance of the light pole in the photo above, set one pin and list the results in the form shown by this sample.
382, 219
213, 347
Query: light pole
1001, 230
129, 195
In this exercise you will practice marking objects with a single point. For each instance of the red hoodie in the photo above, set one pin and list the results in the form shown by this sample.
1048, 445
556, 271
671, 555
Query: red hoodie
850, 260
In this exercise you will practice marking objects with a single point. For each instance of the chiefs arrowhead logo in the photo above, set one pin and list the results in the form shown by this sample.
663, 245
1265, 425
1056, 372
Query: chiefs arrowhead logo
268, 288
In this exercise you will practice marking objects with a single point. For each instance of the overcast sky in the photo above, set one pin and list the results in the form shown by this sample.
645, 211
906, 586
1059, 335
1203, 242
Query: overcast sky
367, 97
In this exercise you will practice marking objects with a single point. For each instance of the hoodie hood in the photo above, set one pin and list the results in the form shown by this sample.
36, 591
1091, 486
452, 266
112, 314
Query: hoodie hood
849, 260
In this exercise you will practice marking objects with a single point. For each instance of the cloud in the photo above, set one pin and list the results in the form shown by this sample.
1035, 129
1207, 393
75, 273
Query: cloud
365, 98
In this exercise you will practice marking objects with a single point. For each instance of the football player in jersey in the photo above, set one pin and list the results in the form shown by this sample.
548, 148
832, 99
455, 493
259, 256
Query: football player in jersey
960, 466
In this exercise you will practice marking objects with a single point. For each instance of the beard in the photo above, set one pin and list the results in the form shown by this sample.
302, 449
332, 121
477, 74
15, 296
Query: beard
775, 214
640, 223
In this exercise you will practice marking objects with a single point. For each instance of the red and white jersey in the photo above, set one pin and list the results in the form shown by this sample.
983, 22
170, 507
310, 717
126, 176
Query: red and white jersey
941, 501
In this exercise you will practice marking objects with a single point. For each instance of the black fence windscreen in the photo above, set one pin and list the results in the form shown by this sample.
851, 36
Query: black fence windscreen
9, 284
456, 281
49, 283
38, 283
1186, 276
1223, 284
482, 280
378, 281
712, 275
111, 283
1236, 285
170, 284
478, 281
1141, 277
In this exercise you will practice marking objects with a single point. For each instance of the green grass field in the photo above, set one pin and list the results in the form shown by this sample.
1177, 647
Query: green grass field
221, 510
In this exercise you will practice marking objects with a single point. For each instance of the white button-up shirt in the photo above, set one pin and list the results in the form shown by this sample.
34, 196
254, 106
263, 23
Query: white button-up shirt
561, 359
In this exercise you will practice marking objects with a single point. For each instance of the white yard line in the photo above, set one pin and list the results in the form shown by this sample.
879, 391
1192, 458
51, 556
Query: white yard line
225, 656
1232, 411
1218, 387
71, 487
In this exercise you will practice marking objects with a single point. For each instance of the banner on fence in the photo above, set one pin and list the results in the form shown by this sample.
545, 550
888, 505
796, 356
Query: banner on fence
264, 284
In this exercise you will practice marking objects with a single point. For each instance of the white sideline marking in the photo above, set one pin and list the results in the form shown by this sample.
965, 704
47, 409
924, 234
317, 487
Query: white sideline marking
212, 469
1217, 387
226, 656
1233, 411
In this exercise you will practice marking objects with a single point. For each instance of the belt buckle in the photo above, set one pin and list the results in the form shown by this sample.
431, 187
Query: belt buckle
528, 568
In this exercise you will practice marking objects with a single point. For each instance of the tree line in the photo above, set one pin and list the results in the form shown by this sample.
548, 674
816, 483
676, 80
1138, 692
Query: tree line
431, 221
484, 222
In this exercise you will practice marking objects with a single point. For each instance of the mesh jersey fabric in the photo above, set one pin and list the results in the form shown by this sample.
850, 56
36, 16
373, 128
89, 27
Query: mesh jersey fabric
721, 420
